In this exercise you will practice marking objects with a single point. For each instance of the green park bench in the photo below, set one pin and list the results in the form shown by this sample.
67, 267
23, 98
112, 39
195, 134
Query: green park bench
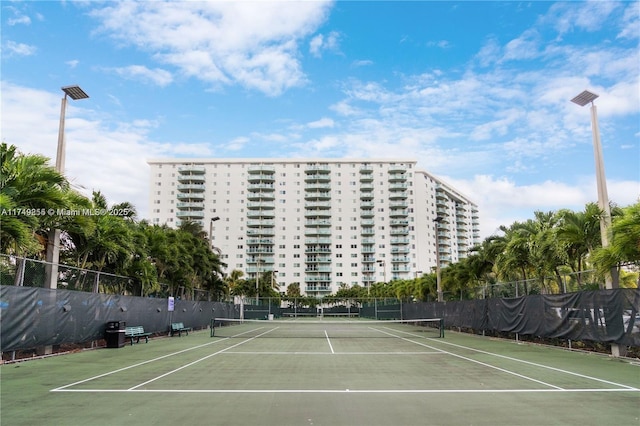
136, 333
178, 327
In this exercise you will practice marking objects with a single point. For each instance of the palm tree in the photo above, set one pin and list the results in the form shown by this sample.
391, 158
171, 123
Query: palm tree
579, 235
27, 184
624, 248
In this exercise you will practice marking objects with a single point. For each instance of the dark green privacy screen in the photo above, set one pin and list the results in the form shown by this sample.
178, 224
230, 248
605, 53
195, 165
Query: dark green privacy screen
33, 317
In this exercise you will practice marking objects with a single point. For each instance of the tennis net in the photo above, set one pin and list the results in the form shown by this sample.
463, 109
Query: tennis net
332, 328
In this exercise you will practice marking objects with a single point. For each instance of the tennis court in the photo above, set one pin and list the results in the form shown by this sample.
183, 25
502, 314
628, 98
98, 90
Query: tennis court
323, 372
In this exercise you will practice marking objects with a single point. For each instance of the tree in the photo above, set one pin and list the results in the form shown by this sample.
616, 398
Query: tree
29, 188
624, 248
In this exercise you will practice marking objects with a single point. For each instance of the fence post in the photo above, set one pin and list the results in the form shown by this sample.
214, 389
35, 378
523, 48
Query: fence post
19, 281
96, 282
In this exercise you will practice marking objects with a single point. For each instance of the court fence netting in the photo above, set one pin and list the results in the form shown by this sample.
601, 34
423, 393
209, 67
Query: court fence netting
32, 317
327, 328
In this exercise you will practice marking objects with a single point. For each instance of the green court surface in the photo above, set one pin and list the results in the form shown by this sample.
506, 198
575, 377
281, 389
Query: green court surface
389, 375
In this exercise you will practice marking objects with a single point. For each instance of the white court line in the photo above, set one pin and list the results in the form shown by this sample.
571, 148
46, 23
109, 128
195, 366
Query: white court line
472, 360
135, 365
386, 391
336, 353
201, 359
142, 363
529, 363
329, 342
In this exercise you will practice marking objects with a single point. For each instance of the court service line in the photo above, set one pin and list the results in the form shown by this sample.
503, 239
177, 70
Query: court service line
329, 342
136, 365
522, 376
201, 359
583, 376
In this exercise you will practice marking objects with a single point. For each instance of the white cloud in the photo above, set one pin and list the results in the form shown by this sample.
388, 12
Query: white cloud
361, 63
321, 43
501, 201
20, 19
254, 44
630, 22
322, 123
99, 155
442, 44
20, 49
155, 76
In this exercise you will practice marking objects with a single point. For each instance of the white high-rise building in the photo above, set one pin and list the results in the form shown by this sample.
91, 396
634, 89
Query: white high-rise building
318, 222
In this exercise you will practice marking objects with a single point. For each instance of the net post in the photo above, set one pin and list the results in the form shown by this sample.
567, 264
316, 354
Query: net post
442, 327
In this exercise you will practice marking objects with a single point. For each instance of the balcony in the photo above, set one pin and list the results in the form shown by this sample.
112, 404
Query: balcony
260, 169
317, 288
197, 196
317, 186
366, 169
398, 195
317, 195
193, 169
260, 214
256, 241
322, 249
261, 177
317, 213
253, 187
398, 213
261, 196
318, 259
366, 196
191, 214
187, 205
196, 187
318, 222
264, 232
317, 232
261, 206
317, 177
260, 223
309, 205
191, 179
315, 241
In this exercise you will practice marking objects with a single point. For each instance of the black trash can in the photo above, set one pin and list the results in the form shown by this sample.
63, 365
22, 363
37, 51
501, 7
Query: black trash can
114, 334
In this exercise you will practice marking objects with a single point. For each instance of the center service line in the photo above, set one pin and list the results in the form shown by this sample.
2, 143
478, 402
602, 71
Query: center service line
329, 342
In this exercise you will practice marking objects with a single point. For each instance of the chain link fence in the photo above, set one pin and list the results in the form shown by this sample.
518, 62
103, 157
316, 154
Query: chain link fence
23, 272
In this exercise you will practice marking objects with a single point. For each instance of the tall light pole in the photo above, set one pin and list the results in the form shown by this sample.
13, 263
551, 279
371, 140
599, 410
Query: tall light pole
213, 219
384, 269
257, 280
584, 98
53, 241
436, 221
611, 279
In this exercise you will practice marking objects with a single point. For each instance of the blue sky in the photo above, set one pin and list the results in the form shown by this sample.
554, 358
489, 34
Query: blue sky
477, 92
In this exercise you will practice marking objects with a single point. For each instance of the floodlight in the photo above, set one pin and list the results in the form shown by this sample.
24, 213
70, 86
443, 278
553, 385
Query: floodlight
75, 92
584, 98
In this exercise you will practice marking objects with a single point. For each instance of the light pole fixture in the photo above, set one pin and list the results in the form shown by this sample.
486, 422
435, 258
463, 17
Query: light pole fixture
75, 93
583, 99
384, 269
436, 221
53, 241
257, 280
213, 219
